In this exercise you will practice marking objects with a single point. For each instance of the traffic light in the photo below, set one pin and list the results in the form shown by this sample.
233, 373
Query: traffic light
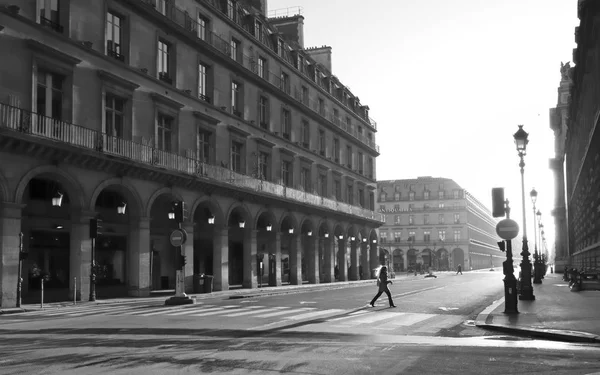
95, 228
181, 260
498, 209
501, 245
181, 213
23, 255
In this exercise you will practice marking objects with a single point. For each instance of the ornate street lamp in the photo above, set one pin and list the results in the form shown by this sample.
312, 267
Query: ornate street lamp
536, 265
526, 292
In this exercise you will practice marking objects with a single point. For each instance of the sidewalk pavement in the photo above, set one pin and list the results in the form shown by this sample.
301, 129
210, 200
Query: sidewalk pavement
227, 294
555, 314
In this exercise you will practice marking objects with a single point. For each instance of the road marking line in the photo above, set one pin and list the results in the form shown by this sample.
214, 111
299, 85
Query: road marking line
285, 312
351, 315
253, 311
91, 311
371, 318
313, 314
215, 311
409, 319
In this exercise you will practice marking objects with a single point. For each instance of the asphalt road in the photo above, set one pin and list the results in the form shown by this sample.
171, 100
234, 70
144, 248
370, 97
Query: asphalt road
318, 332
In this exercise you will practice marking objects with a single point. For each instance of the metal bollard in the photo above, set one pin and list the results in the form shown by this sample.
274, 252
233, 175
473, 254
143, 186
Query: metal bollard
74, 291
42, 299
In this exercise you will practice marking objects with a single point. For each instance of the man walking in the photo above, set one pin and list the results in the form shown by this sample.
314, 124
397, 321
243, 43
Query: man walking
459, 269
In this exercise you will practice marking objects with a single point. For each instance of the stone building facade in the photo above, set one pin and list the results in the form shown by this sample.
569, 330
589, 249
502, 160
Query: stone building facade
118, 109
434, 223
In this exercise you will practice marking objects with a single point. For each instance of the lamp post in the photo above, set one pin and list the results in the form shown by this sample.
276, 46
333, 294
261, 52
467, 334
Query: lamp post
536, 266
540, 261
526, 288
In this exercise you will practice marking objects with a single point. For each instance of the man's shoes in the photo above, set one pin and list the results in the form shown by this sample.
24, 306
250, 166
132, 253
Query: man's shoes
392, 306
370, 305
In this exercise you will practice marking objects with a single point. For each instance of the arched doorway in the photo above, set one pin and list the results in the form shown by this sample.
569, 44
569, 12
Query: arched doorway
411, 259
266, 251
112, 244
398, 260
204, 231
443, 262
46, 227
458, 257
237, 231
427, 259
163, 258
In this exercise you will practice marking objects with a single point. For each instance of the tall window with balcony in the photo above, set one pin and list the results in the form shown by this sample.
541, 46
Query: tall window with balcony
383, 237
411, 219
305, 99
322, 142
235, 157
337, 190
258, 30
203, 142
263, 112
49, 97
336, 117
286, 173
397, 236
361, 197
441, 194
202, 26
305, 135
164, 63
360, 163
114, 37
203, 82
350, 194
164, 133
305, 179
235, 50
336, 150
49, 14
114, 112
349, 156
397, 196
441, 219
280, 47
322, 185
262, 67
322, 107
426, 194
457, 235
442, 235
426, 236
397, 219
411, 206
163, 6
236, 105
349, 125
370, 168
411, 236
286, 123
285, 82
411, 196
456, 218
230, 9
263, 165
426, 219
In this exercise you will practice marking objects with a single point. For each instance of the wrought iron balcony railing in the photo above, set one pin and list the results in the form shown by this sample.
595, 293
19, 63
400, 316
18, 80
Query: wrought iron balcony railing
42, 127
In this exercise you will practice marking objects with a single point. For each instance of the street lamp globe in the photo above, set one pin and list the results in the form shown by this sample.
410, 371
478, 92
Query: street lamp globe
533, 194
521, 140
539, 216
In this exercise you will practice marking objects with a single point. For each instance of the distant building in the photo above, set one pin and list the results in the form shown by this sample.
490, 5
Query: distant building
117, 109
434, 223
582, 145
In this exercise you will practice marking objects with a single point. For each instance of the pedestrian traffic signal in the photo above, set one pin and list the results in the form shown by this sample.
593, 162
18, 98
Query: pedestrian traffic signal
498, 209
181, 260
95, 228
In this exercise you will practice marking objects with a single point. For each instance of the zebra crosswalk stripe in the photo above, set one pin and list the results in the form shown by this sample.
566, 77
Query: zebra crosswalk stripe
252, 312
314, 314
92, 311
215, 311
277, 313
194, 310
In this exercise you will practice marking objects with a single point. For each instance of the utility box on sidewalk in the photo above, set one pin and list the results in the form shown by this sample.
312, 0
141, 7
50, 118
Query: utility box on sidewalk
206, 283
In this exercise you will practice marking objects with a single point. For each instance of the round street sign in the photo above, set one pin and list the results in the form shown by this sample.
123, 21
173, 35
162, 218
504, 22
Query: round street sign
177, 238
507, 229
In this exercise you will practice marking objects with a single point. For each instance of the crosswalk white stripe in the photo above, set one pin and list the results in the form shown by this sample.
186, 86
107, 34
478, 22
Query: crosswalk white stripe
257, 311
216, 311
374, 317
351, 315
146, 311
314, 314
411, 318
197, 309
92, 311
277, 313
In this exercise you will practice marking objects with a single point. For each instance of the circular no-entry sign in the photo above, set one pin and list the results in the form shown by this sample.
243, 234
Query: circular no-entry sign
507, 229
177, 238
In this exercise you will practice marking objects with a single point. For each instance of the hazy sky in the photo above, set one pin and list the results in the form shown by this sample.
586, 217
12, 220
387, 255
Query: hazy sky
448, 81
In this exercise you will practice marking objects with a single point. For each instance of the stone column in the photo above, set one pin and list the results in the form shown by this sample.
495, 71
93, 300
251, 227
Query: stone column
329, 260
139, 257
561, 256
364, 261
277, 252
374, 259
10, 227
250, 267
81, 253
342, 265
312, 259
221, 259
188, 252
405, 257
295, 259
354, 260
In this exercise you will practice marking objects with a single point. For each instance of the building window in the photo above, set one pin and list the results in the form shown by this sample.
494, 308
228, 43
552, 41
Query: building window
114, 113
426, 219
305, 179
202, 27
286, 173
202, 82
285, 82
322, 142
411, 219
397, 195
286, 123
305, 99
442, 235
350, 194
231, 9
411, 207
456, 218
235, 98
337, 189
426, 236
383, 237
455, 193
305, 134
164, 66
411, 236
411, 196
235, 49
349, 156
397, 219
457, 235
336, 117
441, 206
441, 219
280, 46
164, 133
322, 185
236, 156
258, 30
263, 112
336, 150
360, 163
441, 194
49, 13
263, 165
426, 194
203, 145
114, 37
397, 236
262, 67
321, 107
50, 95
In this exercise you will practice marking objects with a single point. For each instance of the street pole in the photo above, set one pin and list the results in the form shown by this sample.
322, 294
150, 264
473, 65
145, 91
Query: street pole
93, 274
510, 282
536, 255
19, 271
